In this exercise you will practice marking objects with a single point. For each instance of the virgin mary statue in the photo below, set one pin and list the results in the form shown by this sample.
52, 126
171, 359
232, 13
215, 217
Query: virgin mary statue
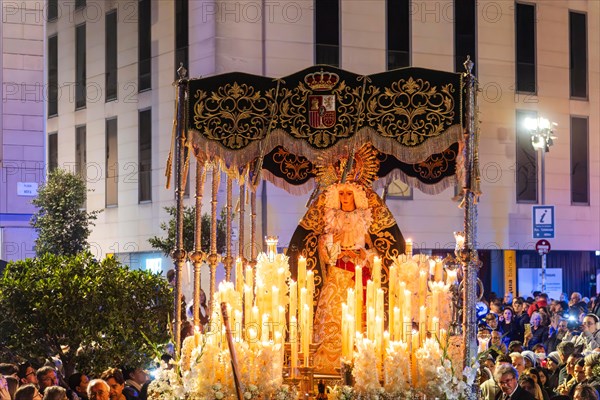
345, 226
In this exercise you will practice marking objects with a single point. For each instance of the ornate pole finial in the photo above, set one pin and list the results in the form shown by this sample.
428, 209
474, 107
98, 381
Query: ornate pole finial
181, 71
468, 64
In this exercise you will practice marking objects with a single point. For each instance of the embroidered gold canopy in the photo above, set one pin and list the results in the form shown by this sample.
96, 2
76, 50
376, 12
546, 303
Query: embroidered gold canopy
411, 116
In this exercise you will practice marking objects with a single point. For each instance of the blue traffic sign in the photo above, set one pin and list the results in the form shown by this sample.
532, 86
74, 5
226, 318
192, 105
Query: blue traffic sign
543, 222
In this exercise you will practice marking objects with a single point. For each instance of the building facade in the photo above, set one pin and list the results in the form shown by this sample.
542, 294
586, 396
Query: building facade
22, 119
110, 67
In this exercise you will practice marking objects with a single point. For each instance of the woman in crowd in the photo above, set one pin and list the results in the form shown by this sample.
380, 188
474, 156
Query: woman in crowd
538, 332
510, 327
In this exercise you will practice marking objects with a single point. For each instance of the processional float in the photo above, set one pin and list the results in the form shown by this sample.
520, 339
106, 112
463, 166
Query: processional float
420, 125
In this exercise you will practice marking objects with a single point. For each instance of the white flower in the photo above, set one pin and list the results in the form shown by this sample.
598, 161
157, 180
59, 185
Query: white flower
219, 395
248, 395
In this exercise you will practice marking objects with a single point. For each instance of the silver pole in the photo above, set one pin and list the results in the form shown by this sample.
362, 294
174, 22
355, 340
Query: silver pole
179, 254
468, 254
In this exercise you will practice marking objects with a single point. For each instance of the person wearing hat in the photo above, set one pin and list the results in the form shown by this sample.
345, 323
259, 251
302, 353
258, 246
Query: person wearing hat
529, 358
552, 366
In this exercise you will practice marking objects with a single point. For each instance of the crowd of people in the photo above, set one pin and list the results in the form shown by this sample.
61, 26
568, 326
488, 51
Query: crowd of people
25, 382
540, 349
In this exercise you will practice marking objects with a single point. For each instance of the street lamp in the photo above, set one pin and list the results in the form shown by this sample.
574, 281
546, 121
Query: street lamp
542, 137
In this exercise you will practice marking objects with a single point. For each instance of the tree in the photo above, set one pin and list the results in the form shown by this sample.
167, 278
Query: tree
167, 245
62, 223
92, 314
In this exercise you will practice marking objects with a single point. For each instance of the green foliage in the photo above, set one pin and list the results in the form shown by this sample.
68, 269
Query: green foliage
100, 310
167, 245
62, 223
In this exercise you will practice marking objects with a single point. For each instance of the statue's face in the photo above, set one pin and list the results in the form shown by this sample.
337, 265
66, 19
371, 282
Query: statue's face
347, 199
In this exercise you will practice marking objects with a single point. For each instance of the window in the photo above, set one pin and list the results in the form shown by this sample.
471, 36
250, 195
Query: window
145, 156
79, 4
525, 48
144, 45
579, 161
526, 169
53, 76
111, 55
398, 33
52, 10
52, 151
181, 34
80, 75
327, 32
465, 33
578, 70
112, 163
80, 152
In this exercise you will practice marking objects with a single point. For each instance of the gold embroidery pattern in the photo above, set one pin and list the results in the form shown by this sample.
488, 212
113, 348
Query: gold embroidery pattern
234, 115
410, 111
293, 114
292, 166
436, 165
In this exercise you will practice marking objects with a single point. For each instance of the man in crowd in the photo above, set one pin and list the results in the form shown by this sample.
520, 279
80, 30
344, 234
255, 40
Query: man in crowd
27, 374
507, 378
98, 390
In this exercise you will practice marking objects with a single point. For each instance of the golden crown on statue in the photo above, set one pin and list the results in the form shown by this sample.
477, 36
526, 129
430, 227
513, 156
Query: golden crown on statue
321, 81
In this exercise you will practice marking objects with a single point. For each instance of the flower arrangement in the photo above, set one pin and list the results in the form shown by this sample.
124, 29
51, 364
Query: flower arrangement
437, 376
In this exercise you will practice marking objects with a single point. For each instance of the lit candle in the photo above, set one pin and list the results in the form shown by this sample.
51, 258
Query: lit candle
392, 298
451, 276
443, 337
239, 276
310, 285
407, 304
301, 321
435, 321
351, 334
344, 331
422, 287
377, 271
274, 305
358, 290
247, 305
422, 323
301, 272
435, 301
397, 333
409, 247
293, 300
305, 336
255, 323
371, 323
265, 328
249, 277
294, 345
414, 368
439, 271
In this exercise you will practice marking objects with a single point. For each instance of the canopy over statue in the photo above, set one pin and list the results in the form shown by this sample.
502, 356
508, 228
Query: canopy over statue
282, 126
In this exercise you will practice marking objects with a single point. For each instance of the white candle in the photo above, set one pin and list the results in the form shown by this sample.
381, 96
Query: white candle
450, 276
293, 300
422, 287
249, 277
305, 336
301, 272
294, 345
409, 247
377, 271
422, 323
358, 291
239, 276
397, 332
